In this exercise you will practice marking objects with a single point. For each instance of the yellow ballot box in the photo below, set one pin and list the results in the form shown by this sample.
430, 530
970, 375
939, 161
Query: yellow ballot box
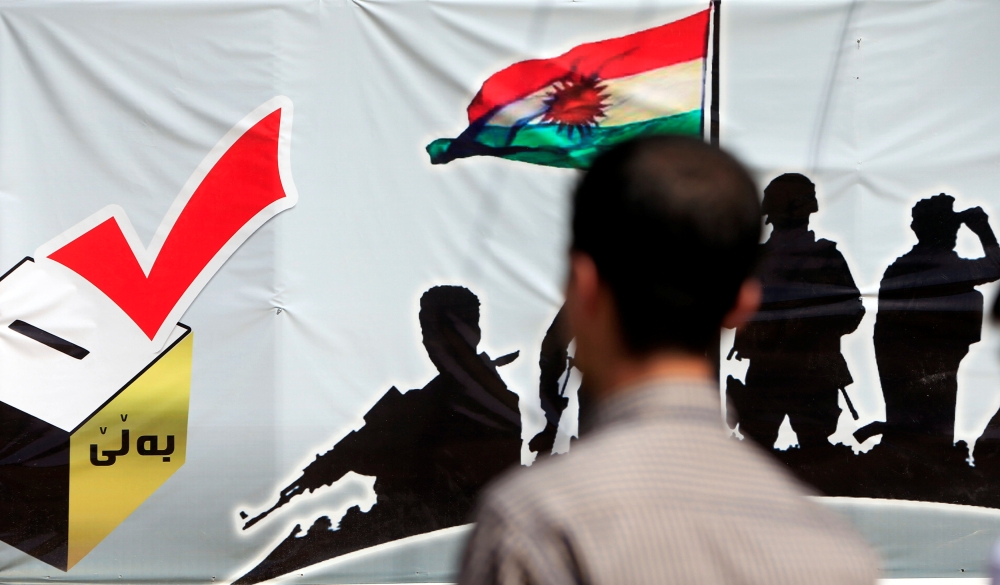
128, 449
89, 428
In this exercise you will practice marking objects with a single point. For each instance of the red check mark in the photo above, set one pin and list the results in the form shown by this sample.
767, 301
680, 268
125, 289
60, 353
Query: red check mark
240, 192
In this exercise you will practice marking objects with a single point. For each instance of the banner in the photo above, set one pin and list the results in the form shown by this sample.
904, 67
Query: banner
283, 279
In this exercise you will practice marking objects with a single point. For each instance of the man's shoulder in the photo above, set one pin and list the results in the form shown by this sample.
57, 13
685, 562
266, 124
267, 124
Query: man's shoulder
640, 495
557, 484
689, 472
545, 478
641, 465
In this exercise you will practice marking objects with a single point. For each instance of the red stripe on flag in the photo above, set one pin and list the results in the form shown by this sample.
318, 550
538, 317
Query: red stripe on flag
669, 44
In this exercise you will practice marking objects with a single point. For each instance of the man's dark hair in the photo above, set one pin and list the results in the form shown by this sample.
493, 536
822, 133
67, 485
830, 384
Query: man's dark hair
673, 225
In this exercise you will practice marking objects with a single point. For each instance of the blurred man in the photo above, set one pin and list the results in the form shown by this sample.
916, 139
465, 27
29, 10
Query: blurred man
665, 232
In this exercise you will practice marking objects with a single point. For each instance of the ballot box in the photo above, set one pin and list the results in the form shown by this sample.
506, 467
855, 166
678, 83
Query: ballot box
95, 368
93, 415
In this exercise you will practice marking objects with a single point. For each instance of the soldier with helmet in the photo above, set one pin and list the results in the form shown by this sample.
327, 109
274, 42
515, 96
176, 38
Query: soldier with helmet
810, 301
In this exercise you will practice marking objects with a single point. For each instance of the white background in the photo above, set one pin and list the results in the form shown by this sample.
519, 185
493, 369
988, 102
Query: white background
117, 102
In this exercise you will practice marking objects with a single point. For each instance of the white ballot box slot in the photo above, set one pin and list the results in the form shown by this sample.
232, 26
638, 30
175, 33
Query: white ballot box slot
42, 297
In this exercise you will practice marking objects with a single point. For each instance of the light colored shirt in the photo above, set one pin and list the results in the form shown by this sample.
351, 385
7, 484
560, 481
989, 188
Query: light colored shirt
658, 493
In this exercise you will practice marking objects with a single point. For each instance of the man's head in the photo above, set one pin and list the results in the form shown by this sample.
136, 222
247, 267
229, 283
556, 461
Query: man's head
665, 234
789, 200
935, 222
449, 321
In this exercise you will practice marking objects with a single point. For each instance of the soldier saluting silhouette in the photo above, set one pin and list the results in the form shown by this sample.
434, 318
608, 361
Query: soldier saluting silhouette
431, 449
929, 313
793, 343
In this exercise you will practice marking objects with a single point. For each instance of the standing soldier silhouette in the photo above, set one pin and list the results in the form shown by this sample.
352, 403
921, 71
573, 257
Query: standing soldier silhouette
793, 343
555, 363
929, 313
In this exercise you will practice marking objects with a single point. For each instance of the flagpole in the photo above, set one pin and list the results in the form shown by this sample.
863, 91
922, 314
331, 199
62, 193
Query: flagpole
714, 128
713, 137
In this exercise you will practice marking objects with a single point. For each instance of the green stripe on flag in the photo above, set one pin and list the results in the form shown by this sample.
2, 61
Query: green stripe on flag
554, 146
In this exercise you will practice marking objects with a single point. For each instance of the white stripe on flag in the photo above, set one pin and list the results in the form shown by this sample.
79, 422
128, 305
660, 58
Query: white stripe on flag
656, 93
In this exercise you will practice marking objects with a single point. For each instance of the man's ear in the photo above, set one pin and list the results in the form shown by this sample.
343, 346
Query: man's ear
747, 303
583, 303
584, 283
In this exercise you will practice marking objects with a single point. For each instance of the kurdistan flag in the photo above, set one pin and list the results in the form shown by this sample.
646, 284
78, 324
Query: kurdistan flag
564, 111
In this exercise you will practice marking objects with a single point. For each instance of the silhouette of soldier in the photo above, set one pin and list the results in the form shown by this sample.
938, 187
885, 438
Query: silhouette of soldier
987, 448
793, 343
431, 449
555, 364
929, 313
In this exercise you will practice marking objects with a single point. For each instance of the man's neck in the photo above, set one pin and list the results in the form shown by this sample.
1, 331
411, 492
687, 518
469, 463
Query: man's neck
628, 372
793, 232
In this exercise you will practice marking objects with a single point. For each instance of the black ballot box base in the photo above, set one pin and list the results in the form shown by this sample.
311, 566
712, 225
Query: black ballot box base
34, 483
